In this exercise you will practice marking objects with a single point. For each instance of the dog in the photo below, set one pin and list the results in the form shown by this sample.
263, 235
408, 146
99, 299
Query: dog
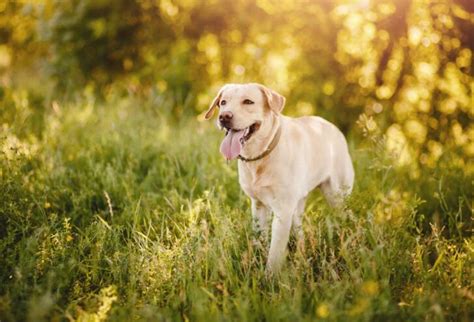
280, 160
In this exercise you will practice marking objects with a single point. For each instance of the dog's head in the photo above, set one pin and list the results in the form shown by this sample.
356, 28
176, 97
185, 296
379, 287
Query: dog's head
243, 110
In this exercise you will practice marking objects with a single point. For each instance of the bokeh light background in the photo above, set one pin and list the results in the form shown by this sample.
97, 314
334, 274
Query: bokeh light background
406, 63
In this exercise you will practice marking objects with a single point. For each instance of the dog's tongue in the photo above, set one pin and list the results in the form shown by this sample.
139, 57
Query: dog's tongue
231, 146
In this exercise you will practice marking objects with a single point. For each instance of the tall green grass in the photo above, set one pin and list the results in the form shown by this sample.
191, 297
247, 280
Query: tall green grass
115, 211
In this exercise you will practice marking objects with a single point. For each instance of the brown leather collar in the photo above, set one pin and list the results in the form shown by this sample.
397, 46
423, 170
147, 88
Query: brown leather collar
270, 148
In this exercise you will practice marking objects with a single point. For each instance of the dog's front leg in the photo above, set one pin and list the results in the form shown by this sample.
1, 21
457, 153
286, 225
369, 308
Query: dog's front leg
281, 226
260, 220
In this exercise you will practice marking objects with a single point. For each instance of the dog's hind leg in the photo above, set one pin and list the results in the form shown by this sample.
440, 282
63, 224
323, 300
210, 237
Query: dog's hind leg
333, 193
336, 189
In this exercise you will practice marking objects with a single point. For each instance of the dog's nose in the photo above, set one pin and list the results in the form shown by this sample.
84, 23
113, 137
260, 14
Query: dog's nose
225, 119
225, 116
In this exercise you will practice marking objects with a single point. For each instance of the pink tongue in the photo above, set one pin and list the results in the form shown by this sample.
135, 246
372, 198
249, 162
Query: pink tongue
230, 146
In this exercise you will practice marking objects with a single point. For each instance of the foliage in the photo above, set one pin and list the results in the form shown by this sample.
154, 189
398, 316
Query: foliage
408, 62
408, 59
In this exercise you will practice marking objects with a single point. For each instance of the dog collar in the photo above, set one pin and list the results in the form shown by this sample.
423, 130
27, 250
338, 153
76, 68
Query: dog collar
268, 150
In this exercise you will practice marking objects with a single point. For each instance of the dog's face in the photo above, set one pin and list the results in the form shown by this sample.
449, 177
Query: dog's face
243, 109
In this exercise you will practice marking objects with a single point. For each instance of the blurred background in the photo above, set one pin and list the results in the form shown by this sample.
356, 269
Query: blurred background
408, 63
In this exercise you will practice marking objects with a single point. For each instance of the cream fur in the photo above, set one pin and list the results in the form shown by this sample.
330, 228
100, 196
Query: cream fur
311, 153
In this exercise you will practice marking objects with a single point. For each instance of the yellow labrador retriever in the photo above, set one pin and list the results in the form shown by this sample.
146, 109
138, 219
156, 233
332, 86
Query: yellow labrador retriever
281, 159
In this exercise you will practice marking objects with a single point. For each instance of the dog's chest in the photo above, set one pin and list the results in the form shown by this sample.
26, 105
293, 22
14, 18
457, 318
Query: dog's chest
256, 181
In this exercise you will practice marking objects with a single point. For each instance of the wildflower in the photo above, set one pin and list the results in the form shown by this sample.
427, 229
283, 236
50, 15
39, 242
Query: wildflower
370, 288
322, 310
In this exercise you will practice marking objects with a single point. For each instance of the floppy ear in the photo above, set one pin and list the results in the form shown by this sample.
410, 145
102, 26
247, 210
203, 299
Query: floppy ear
275, 101
214, 104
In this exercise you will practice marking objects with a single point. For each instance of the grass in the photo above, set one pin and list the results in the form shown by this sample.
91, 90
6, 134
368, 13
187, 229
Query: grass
115, 211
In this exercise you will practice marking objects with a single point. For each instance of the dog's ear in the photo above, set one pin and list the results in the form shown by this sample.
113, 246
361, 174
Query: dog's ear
214, 104
274, 100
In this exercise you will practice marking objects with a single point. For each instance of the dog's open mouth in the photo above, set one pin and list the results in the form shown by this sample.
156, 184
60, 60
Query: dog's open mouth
235, 139
247, 132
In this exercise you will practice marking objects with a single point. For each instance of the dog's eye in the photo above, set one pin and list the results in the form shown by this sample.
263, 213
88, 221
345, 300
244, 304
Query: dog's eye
223, 102
248, 102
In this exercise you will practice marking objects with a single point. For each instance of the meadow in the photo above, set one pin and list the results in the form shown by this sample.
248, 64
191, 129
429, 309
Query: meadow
115, 210
116, 205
